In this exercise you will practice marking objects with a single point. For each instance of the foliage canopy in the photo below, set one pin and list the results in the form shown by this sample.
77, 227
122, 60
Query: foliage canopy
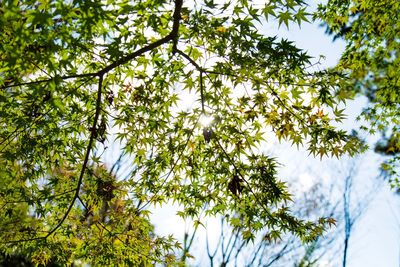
79, 77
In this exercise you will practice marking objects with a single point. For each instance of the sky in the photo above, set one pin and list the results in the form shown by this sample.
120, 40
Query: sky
375, 240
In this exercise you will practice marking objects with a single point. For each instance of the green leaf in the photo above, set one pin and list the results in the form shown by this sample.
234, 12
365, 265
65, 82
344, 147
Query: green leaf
284, 17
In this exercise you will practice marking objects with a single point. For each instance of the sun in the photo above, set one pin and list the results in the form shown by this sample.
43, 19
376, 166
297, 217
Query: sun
205, 120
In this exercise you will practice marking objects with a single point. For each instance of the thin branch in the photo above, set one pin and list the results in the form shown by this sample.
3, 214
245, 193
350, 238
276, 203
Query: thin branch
255, 254
231, 74
220, 240
202, 92
187, 245
86, 160
267, 84
186, 56
278, 255
237, 237
50, 198
67, 77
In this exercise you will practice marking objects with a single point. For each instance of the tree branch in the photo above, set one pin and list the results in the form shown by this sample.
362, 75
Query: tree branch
194, 63
86, 160
172, 36
49, 80
267, 84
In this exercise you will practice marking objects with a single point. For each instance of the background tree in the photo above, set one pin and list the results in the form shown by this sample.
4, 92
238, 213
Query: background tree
371, 61
345, 198
78, 77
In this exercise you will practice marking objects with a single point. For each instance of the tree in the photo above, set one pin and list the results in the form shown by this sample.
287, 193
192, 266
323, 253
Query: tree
78, 77
371, 61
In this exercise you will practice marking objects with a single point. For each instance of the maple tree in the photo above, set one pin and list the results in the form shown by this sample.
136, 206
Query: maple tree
80, 77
